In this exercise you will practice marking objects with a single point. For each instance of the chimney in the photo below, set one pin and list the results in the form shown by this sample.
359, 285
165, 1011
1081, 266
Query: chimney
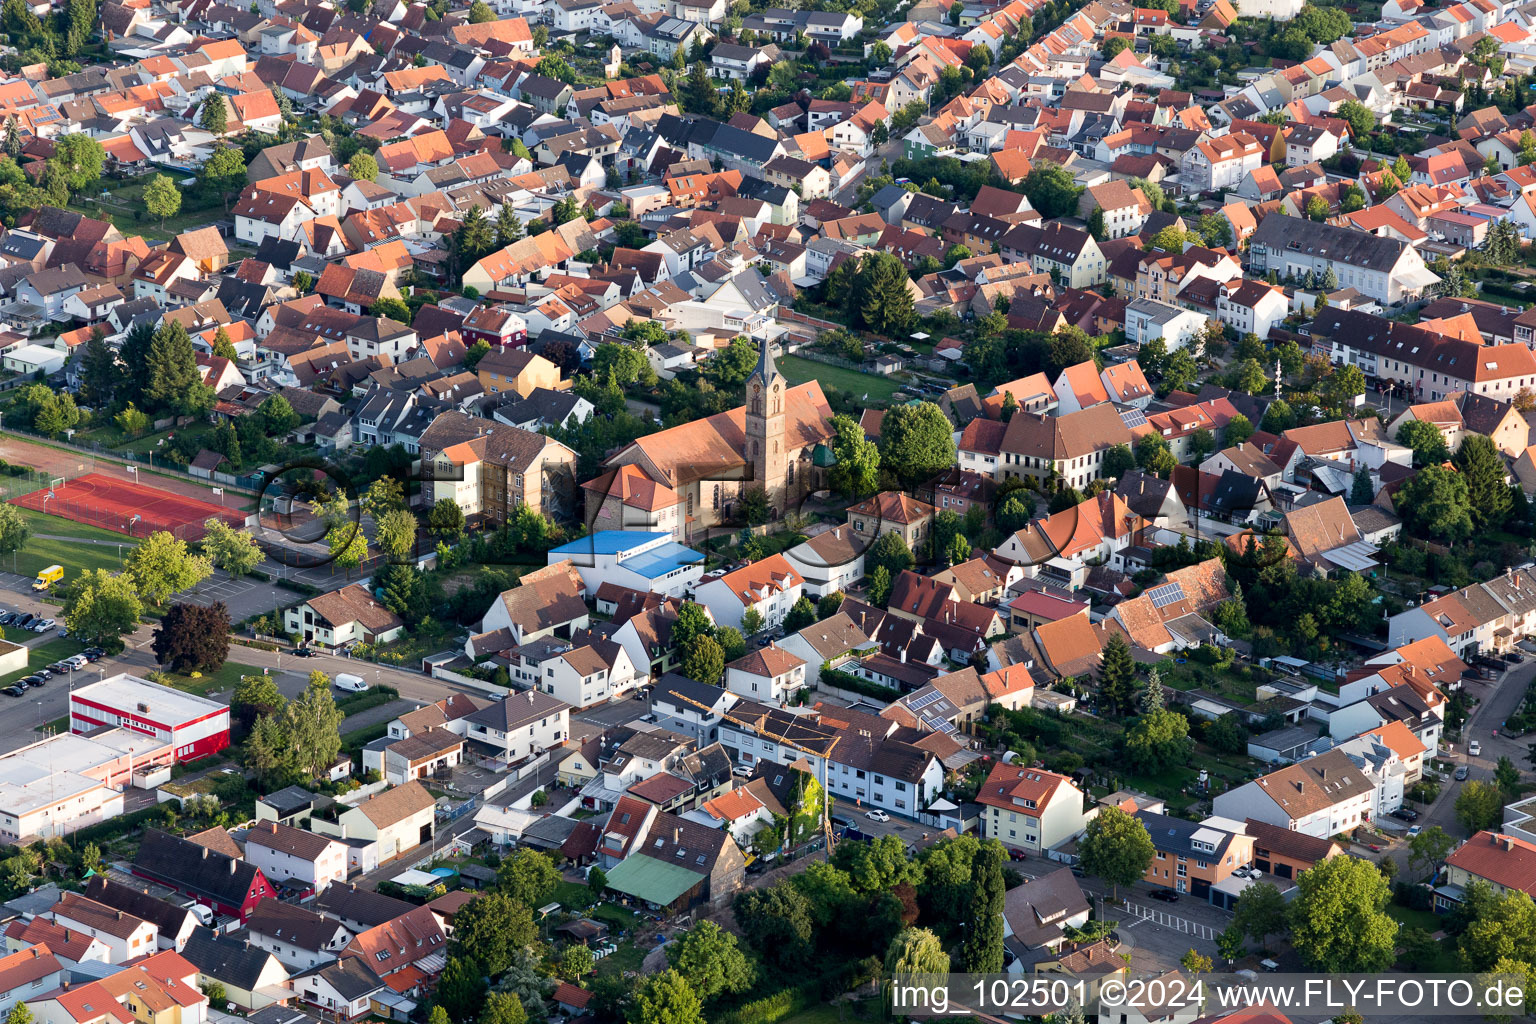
205, 853
119, 915
233, 864
677, 834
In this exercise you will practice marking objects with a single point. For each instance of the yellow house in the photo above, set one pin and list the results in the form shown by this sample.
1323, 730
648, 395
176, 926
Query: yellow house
579, 766
161, 989
516, 369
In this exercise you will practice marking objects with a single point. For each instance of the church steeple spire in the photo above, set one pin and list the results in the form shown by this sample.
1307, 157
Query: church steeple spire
765, 368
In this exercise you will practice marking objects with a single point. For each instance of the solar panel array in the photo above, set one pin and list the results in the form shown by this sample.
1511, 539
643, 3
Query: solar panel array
925, 700
1168, 593
1132, 417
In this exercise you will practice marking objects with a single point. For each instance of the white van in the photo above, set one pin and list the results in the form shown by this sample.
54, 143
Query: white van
351, 683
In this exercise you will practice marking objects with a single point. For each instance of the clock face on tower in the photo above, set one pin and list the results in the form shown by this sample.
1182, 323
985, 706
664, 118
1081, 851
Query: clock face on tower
756, 388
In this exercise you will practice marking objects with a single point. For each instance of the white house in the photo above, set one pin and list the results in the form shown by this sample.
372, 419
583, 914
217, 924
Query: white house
830, 561
126, 936
1146, 319
284, 852
1320, 796
592, 673
522, 726
770, 586
1030, 809
767, 674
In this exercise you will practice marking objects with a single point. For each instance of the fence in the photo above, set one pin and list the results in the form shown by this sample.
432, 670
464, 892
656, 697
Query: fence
251, 482
438, 672
791, 316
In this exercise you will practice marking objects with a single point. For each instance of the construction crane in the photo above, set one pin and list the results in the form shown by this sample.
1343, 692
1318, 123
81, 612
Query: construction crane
826, 794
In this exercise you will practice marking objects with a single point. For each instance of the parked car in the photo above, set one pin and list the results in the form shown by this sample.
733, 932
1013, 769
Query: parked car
350, 683
8, 618
16, 691
1166, 895
43, 626
61, 667
25, 621
1461, 772
93, 654
1474, 748
1405, 814
34, 680
45, 673
877, 816
303, 652
1514, 658
743, 770
1415, 831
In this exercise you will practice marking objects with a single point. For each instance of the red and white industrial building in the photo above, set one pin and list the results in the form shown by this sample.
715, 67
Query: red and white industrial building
194, 726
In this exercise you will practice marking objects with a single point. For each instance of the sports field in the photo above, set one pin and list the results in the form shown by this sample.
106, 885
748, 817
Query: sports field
124, 506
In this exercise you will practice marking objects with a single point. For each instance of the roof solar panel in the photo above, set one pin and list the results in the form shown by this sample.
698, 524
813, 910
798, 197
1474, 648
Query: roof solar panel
1168, 593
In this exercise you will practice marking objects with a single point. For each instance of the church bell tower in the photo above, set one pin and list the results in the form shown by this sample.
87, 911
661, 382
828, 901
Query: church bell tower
766, 452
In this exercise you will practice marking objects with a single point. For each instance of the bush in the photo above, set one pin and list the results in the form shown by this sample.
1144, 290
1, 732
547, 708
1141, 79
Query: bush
1414, 897
848, 681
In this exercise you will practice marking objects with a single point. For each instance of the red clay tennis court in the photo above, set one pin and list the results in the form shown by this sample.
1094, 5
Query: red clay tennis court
112, 505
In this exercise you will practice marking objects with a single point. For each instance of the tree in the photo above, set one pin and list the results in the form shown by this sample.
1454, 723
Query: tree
856, 471
699, 95
1361, 121
79, 159
528, 877
917, 442
505, 1008
1179, 370
363, 166
703, 661
193, 637
303, 282
881, 295
489, 931
161, 566
234, 551
1479, 805
1052, 190
802, 614
461, 987
101, 377
1154, 455
1229, 944
1361, 490
14, 530
313, 722
446, 519
1195, 962
224, 348
982, 951
776, 922
100, 607
480, 12
1118, 460
223, 172
1248, 377
1429, 848
162, 198
576, 962
56, 414
255, 696
215, 115
1116, 848
1483, 468
916, 951
666, 998
12, 138
889, 552
597, 882
173, 380
1342, 386
693, 621
1507, 776
708, 958
1117, 676
880, 586
1428, 444
1401, 171
1157, 741
1502, 926
1337, 920
1434, 504
1502, 247
1260, 912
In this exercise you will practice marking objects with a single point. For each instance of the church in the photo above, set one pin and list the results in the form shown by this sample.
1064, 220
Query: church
701, 468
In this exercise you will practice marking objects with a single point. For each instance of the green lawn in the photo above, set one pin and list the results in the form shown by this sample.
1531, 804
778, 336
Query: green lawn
43, 655
797, 371
628, 957
841, 1013
574, 897
76, 557
150, 442
1426, 919
222, 679
40, 522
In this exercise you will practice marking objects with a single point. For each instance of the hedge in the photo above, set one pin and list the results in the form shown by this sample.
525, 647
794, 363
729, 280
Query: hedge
848, 681
789, 1001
